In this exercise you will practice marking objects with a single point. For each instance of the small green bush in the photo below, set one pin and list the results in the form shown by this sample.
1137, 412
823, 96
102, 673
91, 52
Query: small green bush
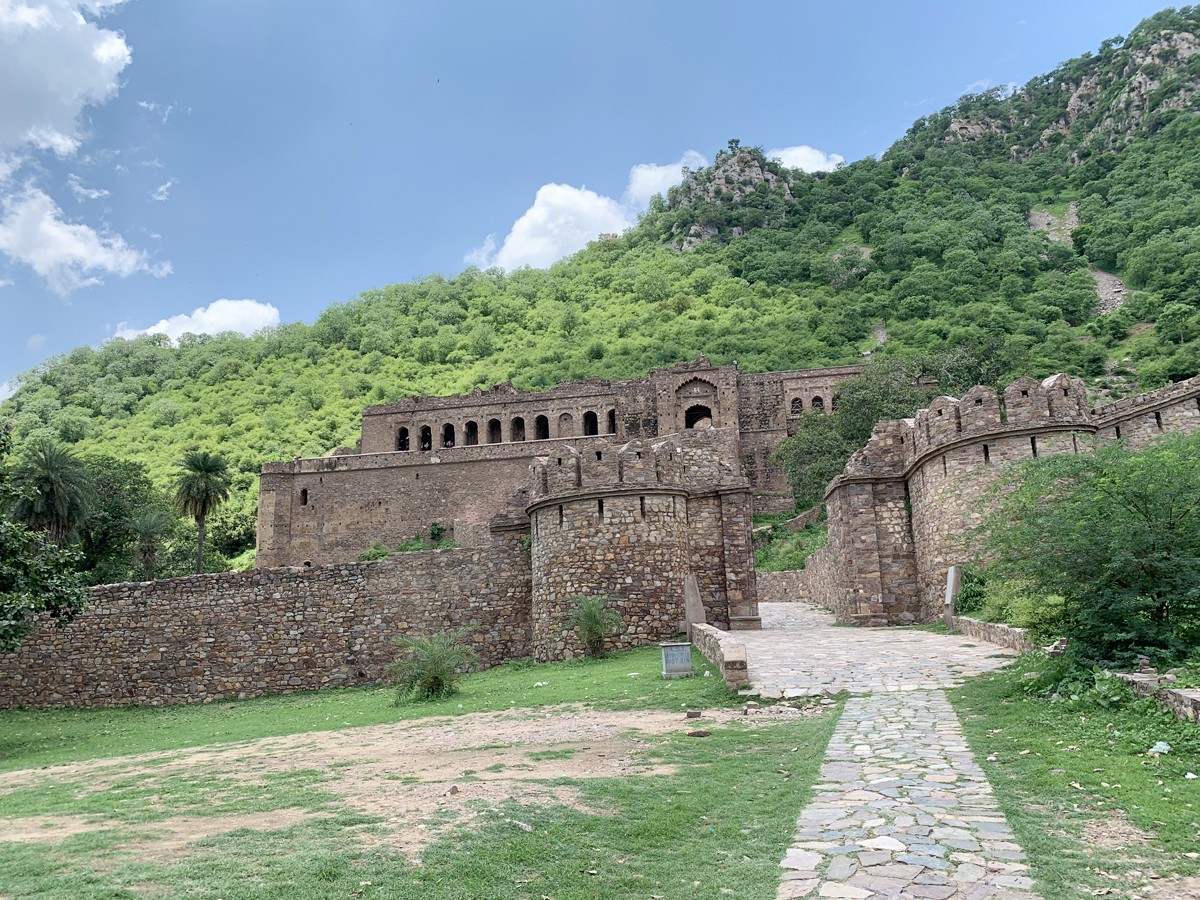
1014, 601
594, 622
430, 668
377, 550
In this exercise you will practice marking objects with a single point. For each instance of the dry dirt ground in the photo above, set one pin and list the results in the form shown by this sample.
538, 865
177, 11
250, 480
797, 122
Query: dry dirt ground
420, 778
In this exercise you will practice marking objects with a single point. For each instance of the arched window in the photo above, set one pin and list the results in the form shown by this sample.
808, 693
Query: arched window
612, 421
797, 406
494, 431
426, 442
541, 428
566, 425
697, 417
471, 434
818, 403
447, 435
402, 439
516, 431
590, 424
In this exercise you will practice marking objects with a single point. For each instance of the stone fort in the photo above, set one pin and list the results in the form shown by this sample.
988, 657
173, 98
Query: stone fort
632, 489
463, 461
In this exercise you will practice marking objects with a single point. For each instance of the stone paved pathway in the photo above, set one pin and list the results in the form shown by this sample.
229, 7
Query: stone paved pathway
800, 652
902, 809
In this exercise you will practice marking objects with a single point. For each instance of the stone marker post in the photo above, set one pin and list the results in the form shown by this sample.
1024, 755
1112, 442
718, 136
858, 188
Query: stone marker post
693, 607
953, 586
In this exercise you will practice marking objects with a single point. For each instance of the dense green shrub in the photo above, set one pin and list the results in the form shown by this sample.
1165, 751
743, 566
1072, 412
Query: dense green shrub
430, 668
594, 622
1116, 535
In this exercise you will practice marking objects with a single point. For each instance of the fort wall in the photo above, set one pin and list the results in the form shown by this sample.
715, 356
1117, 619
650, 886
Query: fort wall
270, 631
631, 522
460, 461
901, 512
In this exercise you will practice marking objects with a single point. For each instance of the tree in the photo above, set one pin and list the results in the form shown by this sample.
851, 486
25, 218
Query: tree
150, 528
54, 493
121, 493
202, 486
1117, 534
36, 576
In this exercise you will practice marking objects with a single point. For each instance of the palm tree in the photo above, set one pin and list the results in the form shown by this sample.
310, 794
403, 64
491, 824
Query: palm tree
149, 527
53, 491
202, 486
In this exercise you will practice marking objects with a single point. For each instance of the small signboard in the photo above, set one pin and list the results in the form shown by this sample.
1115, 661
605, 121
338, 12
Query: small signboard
677, 660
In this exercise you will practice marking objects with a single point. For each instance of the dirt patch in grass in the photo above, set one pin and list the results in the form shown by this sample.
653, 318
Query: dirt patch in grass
411, 781
1113, 833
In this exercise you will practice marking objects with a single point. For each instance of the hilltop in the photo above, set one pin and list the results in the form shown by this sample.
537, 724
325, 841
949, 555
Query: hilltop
990, 224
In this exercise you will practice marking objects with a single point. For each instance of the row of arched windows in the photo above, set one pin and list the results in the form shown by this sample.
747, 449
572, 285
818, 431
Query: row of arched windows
817, 404
493, 431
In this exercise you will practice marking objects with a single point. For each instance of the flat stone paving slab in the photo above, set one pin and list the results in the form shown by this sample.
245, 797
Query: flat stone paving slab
800, 652
902, 809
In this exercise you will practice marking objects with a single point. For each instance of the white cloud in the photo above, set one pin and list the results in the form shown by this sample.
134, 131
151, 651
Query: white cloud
53, 63
7, 389
648, 179
82, 191
66, 255
244, 316
564, 218
162, 193
35, 342
806, 158
981, 84
158, 109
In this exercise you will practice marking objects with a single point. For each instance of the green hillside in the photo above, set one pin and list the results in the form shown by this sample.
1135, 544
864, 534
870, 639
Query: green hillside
927, 248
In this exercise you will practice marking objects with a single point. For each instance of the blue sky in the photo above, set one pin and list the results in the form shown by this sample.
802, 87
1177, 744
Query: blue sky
231, 164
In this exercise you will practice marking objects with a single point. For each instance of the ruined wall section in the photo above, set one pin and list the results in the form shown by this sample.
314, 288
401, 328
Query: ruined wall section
962, 448
1141, 420
500, 415
770, 407
630, 522
245, 634
329, 509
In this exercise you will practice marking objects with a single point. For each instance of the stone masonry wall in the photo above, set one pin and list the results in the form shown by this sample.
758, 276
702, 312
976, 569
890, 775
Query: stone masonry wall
460, 461
235, 635
780, 587
634, 550
900, 514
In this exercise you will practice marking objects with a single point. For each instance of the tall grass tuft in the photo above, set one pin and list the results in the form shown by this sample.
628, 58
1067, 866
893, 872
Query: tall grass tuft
430, 668
594, 622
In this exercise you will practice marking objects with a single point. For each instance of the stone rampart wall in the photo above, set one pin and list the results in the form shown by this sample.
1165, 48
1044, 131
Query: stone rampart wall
994, 633
822, 582
235, 635
781, 587
901, 512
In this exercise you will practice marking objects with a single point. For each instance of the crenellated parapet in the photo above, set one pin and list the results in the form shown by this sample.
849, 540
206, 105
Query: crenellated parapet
633, 521
900, 512
688, 461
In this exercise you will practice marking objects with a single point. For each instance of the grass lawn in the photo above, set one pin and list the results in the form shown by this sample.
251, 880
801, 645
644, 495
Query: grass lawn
1089, 806
706, 816
626, 680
